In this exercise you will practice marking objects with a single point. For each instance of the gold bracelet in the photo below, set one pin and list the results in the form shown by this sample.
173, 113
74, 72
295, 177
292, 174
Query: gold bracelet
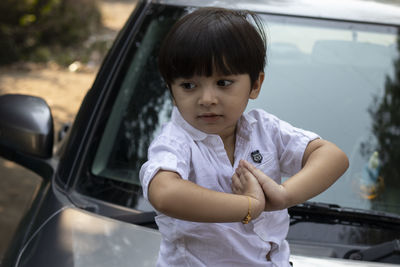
247, 219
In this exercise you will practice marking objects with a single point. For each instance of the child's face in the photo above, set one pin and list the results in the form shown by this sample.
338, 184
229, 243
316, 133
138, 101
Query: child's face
214, 104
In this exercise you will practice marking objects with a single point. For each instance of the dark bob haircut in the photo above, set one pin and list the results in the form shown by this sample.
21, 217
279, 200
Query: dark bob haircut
214, 39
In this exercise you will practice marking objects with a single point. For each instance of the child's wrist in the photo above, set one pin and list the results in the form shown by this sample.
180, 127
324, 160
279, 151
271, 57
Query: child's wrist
286, 200
257, 207
254, 209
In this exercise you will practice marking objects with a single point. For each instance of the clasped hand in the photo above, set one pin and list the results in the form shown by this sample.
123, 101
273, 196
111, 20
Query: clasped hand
252, 182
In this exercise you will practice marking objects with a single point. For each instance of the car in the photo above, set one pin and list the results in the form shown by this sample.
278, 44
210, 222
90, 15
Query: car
333, 68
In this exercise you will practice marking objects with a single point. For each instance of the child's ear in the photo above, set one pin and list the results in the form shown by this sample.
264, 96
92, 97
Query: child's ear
255, 90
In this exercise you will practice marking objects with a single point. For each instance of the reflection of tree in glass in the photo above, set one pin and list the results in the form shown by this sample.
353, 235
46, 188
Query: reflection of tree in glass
386, 125
141, 119
149, 100
385, 114
143, 116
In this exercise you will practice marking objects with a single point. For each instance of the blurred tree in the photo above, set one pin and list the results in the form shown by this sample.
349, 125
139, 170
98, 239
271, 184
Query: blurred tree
28, 26
386, 125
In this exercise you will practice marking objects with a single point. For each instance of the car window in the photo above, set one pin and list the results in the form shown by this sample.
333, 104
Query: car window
142, 105
325, 76
330, 77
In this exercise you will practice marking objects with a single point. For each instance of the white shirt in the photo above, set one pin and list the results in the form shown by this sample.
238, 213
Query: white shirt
202, 159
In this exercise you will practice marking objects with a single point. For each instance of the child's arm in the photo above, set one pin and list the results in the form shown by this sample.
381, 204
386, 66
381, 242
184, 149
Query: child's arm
182, 199
323, 163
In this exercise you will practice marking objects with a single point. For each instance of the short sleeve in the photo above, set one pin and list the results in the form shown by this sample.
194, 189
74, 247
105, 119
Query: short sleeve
292, 142
167, 154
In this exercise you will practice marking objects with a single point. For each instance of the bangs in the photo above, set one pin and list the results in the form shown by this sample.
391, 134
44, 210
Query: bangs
203, 54
214, 42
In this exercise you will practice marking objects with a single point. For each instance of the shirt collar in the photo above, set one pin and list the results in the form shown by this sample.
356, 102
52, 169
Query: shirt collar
245, 126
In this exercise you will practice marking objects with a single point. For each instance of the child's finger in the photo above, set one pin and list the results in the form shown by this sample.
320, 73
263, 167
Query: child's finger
246, 176
247, 165
241, 173
256, 172
237, 171
236, 184
266, 181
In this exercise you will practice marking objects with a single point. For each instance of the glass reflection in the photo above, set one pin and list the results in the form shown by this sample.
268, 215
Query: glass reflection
326, 83
142, 105
382, 178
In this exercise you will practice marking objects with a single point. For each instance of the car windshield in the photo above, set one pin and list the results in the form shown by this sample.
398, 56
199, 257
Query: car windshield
334, 78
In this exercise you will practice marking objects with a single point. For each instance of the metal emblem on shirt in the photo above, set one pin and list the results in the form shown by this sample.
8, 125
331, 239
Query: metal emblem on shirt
256, 156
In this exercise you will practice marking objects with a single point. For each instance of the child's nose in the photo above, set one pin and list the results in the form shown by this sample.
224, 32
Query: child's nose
208, 97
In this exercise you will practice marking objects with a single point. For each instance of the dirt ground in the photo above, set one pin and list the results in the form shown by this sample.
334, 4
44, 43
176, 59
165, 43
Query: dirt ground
63, 90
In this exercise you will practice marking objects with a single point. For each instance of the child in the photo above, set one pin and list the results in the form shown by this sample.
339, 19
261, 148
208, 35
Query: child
213, 61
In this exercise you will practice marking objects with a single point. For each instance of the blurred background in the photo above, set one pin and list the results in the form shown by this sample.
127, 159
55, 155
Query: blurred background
51, 49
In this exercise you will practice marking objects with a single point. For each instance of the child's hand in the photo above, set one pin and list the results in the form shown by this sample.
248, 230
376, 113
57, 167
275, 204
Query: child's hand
276, 196
244, 183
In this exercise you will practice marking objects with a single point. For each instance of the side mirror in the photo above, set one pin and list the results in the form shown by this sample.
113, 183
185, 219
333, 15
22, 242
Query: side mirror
26, 126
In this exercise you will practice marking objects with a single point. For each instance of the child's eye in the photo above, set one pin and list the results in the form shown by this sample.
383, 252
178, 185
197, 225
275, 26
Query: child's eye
224, 83
188, 86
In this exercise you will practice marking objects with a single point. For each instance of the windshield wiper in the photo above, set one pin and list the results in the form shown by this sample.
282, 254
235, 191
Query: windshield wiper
334, 214
376, 252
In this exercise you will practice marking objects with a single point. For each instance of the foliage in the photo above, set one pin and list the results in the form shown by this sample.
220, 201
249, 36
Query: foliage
386, 126
38, 29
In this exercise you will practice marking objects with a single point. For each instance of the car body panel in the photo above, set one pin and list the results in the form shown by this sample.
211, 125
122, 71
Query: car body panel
80, 239
354, 10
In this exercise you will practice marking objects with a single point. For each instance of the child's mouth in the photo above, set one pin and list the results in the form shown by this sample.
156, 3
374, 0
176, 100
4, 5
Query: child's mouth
209, 117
